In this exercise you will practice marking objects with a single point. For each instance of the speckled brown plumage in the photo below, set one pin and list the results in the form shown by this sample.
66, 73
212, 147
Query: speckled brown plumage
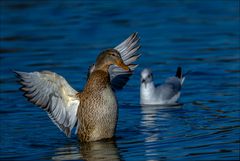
97, 112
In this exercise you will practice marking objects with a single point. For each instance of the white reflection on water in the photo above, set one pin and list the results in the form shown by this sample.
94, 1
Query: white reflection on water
152, 116
151, 113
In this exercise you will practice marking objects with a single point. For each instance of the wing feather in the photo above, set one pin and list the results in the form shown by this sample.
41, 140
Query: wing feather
53, 94
128, 51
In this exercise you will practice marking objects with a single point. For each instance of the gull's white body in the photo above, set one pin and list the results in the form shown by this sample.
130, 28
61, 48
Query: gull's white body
166, 93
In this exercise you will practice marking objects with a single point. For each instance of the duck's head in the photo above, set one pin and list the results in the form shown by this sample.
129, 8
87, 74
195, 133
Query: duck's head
110, 57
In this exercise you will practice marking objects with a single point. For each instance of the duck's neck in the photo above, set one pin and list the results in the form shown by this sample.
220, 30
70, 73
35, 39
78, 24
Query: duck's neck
98, 79
102, 66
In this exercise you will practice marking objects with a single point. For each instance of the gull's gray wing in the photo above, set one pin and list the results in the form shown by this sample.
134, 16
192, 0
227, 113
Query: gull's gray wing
169, 88
52, 93
128, 50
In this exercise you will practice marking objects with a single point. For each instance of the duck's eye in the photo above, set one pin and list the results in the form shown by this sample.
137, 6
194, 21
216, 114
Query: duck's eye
112, 54
149, 76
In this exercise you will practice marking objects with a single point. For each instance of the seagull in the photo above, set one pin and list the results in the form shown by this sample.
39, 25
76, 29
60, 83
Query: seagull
165, 94
94, 110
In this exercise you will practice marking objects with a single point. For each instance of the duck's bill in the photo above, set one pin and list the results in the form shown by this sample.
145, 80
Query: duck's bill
122, 65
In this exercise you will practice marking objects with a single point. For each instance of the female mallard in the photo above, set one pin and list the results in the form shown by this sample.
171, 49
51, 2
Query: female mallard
93, 110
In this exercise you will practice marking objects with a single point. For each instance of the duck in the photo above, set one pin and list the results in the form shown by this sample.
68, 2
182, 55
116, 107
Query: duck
93, 111
166, 93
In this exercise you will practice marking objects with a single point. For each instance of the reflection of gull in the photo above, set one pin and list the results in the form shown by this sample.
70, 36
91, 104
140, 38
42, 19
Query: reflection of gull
99, 150
166, 93
153, 119
153, 113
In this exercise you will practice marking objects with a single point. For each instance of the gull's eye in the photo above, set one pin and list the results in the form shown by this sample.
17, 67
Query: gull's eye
149, 76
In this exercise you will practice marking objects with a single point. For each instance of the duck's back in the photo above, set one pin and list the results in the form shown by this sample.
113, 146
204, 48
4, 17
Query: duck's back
97, 112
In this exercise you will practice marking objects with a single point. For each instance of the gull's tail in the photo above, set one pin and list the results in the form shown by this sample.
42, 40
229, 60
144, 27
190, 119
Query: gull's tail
180, 75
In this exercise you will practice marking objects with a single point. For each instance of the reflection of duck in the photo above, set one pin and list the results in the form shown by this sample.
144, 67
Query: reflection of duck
89, 151
95, 108
166, 93
100, 150
68, 152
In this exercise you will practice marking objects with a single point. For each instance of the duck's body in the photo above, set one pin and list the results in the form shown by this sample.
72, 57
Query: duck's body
94, 109
97, 111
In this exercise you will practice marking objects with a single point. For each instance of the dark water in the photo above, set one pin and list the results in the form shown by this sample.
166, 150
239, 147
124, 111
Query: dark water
65, 37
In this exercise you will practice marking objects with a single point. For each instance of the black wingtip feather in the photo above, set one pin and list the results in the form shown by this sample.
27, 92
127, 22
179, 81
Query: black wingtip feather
179, 72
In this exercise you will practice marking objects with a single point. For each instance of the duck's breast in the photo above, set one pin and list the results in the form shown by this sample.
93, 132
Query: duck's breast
106, 116
98, 114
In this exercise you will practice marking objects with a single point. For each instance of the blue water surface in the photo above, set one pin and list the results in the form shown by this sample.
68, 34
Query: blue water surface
66, 37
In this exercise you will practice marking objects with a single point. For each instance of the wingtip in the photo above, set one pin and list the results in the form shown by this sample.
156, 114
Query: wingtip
18, 76
138, 55
179, 72
134, 36
68, 132
18, 73
132, 67
15, 72
179, 68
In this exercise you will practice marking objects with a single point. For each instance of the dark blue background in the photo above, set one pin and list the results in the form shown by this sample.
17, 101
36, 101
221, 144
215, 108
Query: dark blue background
65, 37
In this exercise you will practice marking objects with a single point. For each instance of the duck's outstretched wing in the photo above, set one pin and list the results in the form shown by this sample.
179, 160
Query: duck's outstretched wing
128, 50
52, 93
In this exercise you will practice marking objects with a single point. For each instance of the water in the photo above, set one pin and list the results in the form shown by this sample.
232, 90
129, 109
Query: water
66, 37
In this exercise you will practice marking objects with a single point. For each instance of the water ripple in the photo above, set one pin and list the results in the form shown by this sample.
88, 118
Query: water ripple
66, 37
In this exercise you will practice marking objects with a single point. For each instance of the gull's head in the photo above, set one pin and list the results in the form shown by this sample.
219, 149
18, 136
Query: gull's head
146, 76
110, 57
